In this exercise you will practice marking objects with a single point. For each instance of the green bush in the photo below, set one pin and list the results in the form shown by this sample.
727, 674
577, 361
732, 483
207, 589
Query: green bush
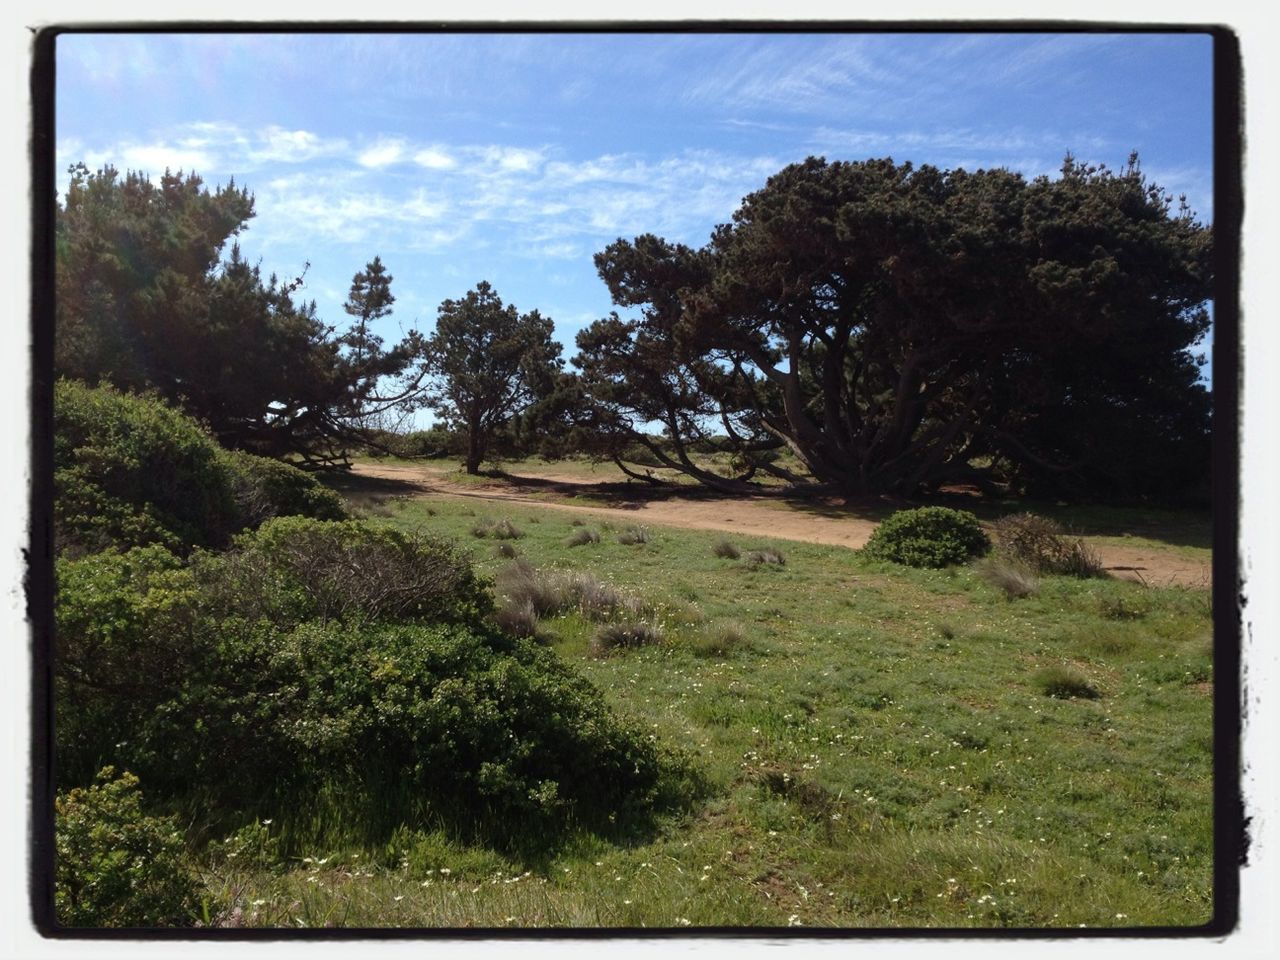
293, 569
264, 488
115, 867
928, 537
280, 681
130, 471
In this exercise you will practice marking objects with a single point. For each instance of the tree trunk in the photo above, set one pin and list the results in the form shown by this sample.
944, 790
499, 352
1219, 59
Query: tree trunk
475, 450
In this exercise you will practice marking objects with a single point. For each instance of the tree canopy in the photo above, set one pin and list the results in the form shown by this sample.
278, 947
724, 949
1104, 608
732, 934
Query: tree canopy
489, 363
146, 301
900, 327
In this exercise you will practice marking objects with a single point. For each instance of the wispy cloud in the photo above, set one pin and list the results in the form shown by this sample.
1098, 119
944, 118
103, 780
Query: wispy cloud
381, 154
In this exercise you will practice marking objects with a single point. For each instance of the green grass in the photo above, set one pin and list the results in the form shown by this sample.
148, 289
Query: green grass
878, 743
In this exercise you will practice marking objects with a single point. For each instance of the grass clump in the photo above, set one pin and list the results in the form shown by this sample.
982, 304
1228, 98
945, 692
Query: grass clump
519, 620
549, 593
720, 642
726, 550
505, 551
1015, 580
502, 529
616, 636
1065, 683
1042, 546
633, 535
582, 536
928, 537
766, 556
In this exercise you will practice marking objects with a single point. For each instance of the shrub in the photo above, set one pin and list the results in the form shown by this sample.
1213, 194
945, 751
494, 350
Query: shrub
726, 550
131, 471
1014, 579
766, 555
928, 537
582, 536
264, 488
614, 636
294, 569
1041, 545
1065, 683
633, 535
116, 867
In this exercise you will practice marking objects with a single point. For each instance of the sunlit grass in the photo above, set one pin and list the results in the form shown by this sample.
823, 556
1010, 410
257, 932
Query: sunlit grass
878, 743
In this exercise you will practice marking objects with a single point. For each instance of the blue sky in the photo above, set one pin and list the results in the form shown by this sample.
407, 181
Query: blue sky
513, 158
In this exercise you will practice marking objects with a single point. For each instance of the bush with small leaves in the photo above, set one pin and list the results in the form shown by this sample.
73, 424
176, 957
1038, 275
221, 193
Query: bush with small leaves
116, 867
928, 537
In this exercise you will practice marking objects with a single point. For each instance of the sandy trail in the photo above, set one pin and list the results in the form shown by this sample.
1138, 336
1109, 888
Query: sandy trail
751, 516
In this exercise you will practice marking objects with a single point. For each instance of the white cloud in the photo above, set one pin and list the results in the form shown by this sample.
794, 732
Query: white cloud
383, 153
277, 145
434, 158
154, 159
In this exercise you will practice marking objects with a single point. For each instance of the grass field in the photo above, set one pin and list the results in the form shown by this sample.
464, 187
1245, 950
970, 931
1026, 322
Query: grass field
882, 747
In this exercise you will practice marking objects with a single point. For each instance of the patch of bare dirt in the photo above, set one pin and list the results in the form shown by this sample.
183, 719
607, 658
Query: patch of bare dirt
697, 509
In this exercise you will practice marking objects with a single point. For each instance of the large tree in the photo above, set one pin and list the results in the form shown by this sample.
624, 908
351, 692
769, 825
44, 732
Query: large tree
489, 363
899, 328
146, 301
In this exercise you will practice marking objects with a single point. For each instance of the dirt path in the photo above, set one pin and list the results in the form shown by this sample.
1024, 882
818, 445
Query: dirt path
750, 516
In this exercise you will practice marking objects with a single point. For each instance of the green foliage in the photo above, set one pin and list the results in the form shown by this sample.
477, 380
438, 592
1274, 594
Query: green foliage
928, 537
146, 301
115, 866
1073, 307
293, 569
1065, 683
264, 488
130, 471
489, 363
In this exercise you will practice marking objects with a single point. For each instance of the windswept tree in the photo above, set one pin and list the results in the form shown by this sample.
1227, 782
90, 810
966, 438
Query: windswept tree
145, 300
489, 363
898, 328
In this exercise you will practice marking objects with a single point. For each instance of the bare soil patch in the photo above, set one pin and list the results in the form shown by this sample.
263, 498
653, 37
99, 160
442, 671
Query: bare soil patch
693, 508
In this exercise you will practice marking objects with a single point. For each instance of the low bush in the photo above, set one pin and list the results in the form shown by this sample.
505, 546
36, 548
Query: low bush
616, 636
298, 704
766, 555
1041, 545
115, 866
633, 535
293, 569
726, 550
928, 537
131, 471
581, 537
